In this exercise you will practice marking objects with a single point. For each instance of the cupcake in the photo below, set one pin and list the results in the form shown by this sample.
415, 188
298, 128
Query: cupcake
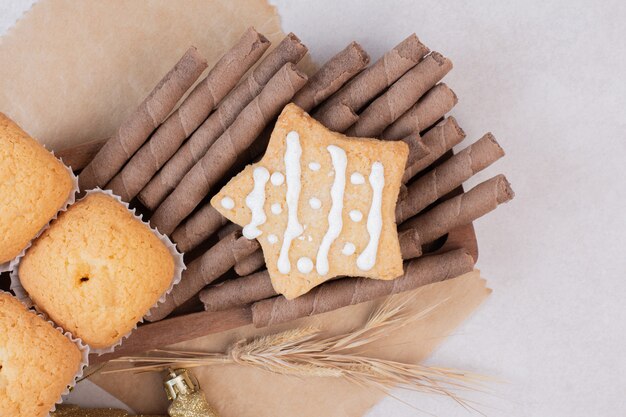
34, 185
97, 270
37, 362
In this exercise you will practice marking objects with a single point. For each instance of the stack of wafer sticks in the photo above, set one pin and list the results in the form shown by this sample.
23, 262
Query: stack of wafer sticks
171, 160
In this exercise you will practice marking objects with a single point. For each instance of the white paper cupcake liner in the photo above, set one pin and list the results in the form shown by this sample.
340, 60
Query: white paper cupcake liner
179, 267
82, 347
9, 265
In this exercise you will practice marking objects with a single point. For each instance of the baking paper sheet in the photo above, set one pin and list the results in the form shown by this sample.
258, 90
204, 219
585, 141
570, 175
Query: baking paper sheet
238, 391
72, 71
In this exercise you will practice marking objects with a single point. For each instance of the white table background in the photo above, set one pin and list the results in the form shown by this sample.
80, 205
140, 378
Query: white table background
547, 78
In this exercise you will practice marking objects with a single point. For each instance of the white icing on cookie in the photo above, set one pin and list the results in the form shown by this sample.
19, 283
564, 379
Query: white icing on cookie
228, 203
355, 215
292, 172
276, 208
357, 179
272, 239
348, 249
305, 265
314, 166
367, 258
335, 222
315, 203
277, 179
255, 202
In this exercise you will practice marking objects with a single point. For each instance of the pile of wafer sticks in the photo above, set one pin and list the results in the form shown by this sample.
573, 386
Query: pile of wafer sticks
167, 161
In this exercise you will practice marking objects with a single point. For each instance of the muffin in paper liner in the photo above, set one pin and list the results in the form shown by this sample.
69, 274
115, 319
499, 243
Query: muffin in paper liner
71, 198
82, 347
179, 267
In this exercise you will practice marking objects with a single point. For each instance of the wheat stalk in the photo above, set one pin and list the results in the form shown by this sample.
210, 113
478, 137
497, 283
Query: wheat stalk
308, 352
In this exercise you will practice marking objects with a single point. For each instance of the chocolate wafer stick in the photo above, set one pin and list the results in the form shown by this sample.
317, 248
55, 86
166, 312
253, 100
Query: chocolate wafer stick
242, 249
425, 113
336, 113
198, 228
257, 286
250, 264
348, 291
204, 270
460, 210
439, 140
332, 76
417, 148
223, 153
192, 112
290, 49
141, 123
228, 229
410, 244
238, 292
339, 118
448, 176
399, 98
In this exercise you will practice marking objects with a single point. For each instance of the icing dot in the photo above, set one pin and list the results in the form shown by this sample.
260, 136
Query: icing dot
348, 249
228, 203
272, 239
314, 166
356, 215
315, 203
305, 265
276, 208
277, 178
357, 179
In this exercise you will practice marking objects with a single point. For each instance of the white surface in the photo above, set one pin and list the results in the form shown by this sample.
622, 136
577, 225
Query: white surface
547, 78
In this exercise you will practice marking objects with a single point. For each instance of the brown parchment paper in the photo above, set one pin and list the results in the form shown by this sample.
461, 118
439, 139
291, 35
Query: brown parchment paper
238, 391
71, 71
